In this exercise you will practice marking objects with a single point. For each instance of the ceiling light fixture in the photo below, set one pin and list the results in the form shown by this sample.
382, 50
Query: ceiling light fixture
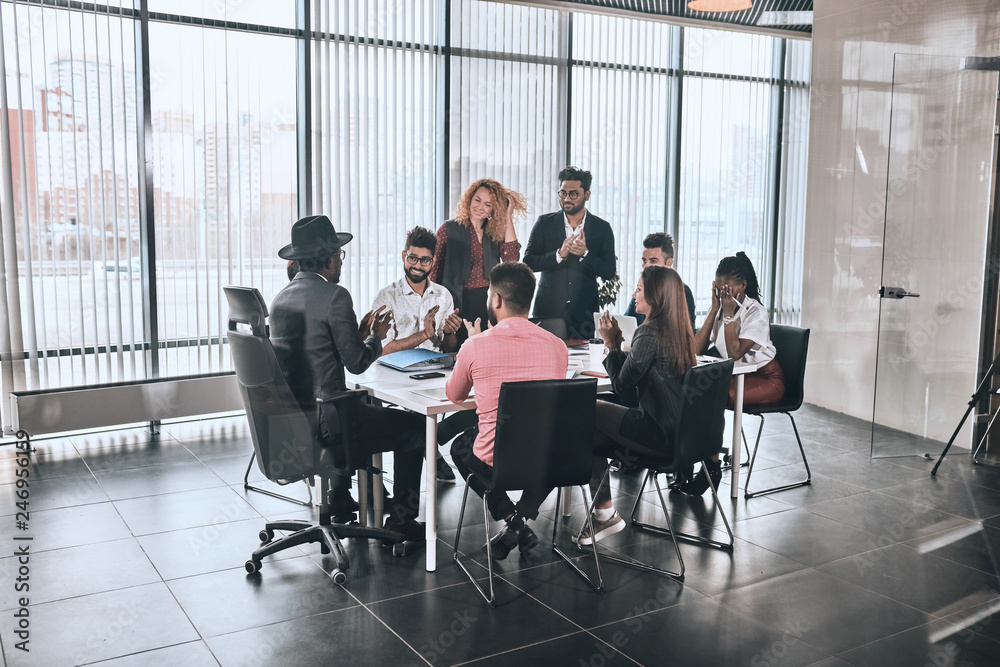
719, 6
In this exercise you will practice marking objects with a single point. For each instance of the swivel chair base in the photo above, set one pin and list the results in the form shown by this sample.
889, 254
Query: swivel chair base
328, 536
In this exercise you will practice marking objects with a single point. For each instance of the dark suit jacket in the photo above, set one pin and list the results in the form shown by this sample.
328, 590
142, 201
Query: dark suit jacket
314, 332
572, 281
645, 372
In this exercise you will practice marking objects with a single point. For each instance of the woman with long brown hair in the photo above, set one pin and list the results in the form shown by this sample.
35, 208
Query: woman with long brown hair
662, 352
480, 236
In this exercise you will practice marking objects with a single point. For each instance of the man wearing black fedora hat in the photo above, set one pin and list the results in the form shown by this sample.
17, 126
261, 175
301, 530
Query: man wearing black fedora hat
316, 335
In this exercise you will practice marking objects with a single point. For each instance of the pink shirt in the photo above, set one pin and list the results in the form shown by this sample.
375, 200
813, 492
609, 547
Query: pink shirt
513, 350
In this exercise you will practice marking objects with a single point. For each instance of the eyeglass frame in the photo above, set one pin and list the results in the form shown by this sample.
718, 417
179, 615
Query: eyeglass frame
423, 261
572, 196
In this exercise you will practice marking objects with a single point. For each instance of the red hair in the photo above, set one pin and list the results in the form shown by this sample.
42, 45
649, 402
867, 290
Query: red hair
496, 228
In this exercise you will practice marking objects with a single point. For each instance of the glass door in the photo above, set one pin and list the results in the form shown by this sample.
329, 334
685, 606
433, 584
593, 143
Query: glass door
937, 208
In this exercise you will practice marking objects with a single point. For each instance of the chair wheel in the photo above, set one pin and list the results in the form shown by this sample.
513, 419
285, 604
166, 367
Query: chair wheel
339, 577
252, 566
266, 535
398, 549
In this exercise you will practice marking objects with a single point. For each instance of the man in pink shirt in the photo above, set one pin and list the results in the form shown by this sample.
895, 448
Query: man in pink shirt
512, 350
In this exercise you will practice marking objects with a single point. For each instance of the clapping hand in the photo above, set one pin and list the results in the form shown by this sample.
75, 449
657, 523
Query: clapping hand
578, 246
474, 329
453, 323
375, 322
610, 332
430, 327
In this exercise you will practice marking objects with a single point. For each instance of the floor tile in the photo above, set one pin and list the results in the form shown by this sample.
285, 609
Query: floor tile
125, 457
47, 494
922, 581
972, 544
346, 637
935, 643
891, 519
848, 617
187, 509
82, 570
157, 479
203, 549
949, 494
627, 591
190, 654
102, 626
874, 563
473, 629
73, 526
703, 632
281, 591
43, 465
581, 648
375, 574
805, 537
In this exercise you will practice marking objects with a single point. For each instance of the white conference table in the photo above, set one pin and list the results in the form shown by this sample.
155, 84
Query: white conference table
396, 387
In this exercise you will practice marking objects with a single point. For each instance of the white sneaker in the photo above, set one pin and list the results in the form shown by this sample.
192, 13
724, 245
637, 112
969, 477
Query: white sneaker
602, 529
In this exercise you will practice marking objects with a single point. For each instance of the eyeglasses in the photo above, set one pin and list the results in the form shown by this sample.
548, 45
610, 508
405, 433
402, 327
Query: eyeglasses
423, 261
342, 253
572, 196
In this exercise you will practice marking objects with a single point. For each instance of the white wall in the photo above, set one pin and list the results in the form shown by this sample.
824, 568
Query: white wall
854, 44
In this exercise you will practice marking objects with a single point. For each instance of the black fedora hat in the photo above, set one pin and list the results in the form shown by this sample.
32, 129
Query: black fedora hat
312, 236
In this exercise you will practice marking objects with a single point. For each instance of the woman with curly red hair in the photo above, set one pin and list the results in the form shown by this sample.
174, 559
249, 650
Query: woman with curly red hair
480, 236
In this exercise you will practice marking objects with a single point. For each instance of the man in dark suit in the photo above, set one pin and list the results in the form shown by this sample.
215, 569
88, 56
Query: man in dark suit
315, 334
571, 248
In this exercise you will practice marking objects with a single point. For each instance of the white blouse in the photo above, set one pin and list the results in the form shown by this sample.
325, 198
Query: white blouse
752, 323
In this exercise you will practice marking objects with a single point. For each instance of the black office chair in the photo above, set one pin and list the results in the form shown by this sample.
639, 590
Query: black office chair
247, 308
791, 346
697, 436
287, 442
544, 438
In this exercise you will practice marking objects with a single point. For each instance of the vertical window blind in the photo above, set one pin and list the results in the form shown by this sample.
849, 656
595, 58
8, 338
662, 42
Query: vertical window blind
696, 132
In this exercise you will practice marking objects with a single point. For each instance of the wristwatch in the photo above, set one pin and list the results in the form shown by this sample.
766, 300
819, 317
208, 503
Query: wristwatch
728, 319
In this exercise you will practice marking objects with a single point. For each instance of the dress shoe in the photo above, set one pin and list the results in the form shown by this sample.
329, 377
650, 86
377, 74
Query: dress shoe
445, 474
526, 539
681, 477
503, 542
699, 485
412, 530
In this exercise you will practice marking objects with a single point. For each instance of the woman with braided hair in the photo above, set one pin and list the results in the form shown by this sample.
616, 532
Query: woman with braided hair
739, 326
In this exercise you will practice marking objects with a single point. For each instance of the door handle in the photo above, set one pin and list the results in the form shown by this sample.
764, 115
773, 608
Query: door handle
894, 292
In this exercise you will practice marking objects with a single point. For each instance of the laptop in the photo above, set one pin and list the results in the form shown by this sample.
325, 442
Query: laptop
626, 323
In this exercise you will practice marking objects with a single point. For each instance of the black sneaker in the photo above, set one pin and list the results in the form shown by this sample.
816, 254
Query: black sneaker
445, 474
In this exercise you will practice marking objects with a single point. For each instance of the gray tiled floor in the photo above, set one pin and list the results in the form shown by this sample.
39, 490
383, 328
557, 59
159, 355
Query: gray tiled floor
139, 542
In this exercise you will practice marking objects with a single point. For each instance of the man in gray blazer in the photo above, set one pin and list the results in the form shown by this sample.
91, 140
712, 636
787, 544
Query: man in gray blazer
316, 335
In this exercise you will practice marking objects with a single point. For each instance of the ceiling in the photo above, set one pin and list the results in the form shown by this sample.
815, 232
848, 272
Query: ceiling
767, 15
